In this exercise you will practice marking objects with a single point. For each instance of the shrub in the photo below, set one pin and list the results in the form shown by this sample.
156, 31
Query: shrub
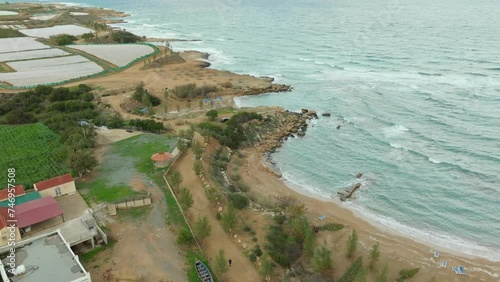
382, 276
352, 272
352, 243
374, 255
142, 95
212, 114
331, 227
184, 237
185, 199
239, 201
124, 37
257, 251
63, 39
192, 91
407, 273
321, 259
229, 218
197, 167
252, 257
220, 264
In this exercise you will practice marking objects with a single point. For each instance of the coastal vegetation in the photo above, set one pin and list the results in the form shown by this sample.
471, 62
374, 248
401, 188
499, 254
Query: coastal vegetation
122, 36
193, 91
62, 39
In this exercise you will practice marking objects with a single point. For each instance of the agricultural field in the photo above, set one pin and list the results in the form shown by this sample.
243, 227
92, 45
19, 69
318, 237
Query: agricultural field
8, 13
47, 32
117, 54
33, 150
32, 54
43, 17
52, 70
18, 44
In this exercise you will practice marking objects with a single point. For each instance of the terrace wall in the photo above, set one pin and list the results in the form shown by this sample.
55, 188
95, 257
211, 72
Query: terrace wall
134, 202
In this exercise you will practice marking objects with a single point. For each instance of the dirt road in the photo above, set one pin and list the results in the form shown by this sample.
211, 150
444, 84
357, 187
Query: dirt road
241, 269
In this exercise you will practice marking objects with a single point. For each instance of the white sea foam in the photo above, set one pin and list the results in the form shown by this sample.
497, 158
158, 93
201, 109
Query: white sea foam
394, 130
398, 146
434, 161
446, 241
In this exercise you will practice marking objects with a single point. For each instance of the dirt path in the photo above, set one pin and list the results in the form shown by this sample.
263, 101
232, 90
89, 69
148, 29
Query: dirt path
145, 249
242, 269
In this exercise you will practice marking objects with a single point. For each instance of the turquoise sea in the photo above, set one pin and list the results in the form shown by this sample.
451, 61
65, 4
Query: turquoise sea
415, 86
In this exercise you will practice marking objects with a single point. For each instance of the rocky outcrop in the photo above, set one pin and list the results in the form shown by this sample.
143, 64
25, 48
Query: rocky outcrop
270, 88
289, 124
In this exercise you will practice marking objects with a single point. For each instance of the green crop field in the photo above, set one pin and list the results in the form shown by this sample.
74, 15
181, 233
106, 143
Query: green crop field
33, 150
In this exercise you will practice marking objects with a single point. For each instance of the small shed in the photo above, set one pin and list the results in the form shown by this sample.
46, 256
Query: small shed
57, 186
161, 159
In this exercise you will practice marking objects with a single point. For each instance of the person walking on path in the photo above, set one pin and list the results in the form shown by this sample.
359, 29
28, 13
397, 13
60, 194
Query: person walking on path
230, 261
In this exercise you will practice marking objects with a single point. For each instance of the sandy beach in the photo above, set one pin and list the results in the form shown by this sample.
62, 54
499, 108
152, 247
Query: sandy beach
398, 251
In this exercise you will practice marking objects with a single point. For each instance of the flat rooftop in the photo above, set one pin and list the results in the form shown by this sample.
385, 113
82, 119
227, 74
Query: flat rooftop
48, 259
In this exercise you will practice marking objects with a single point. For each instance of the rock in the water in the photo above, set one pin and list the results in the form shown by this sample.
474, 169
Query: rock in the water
301, 133
359, 175
326, 114
304, 111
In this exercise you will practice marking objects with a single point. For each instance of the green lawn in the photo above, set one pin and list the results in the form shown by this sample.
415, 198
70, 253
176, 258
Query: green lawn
33, 150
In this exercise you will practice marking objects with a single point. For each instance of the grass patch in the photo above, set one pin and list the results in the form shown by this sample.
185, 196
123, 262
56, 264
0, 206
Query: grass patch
90, 256
142, 147
8, 33
134, 213
125, 159
5, 68
100, 191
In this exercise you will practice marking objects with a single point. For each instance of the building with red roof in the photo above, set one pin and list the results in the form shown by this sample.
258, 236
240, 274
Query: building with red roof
37, 211
57, 186
18, 191
161, 159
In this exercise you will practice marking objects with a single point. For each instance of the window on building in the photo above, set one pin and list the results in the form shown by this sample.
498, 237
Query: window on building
58, 191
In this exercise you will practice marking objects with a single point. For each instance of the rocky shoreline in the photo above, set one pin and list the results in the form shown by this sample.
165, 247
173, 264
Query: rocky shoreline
290, 125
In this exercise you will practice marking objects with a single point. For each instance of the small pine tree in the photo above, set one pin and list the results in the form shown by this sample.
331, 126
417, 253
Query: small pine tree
202, 229
185, 199
308, 244
229, 218
220, 265
321, 260
382, 276
266, 268
374, 255
176, 179
352, 243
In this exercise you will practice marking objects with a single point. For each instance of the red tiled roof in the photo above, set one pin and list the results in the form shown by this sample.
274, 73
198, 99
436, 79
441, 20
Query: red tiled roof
4, 193
63, 179
36, 211
161, 157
